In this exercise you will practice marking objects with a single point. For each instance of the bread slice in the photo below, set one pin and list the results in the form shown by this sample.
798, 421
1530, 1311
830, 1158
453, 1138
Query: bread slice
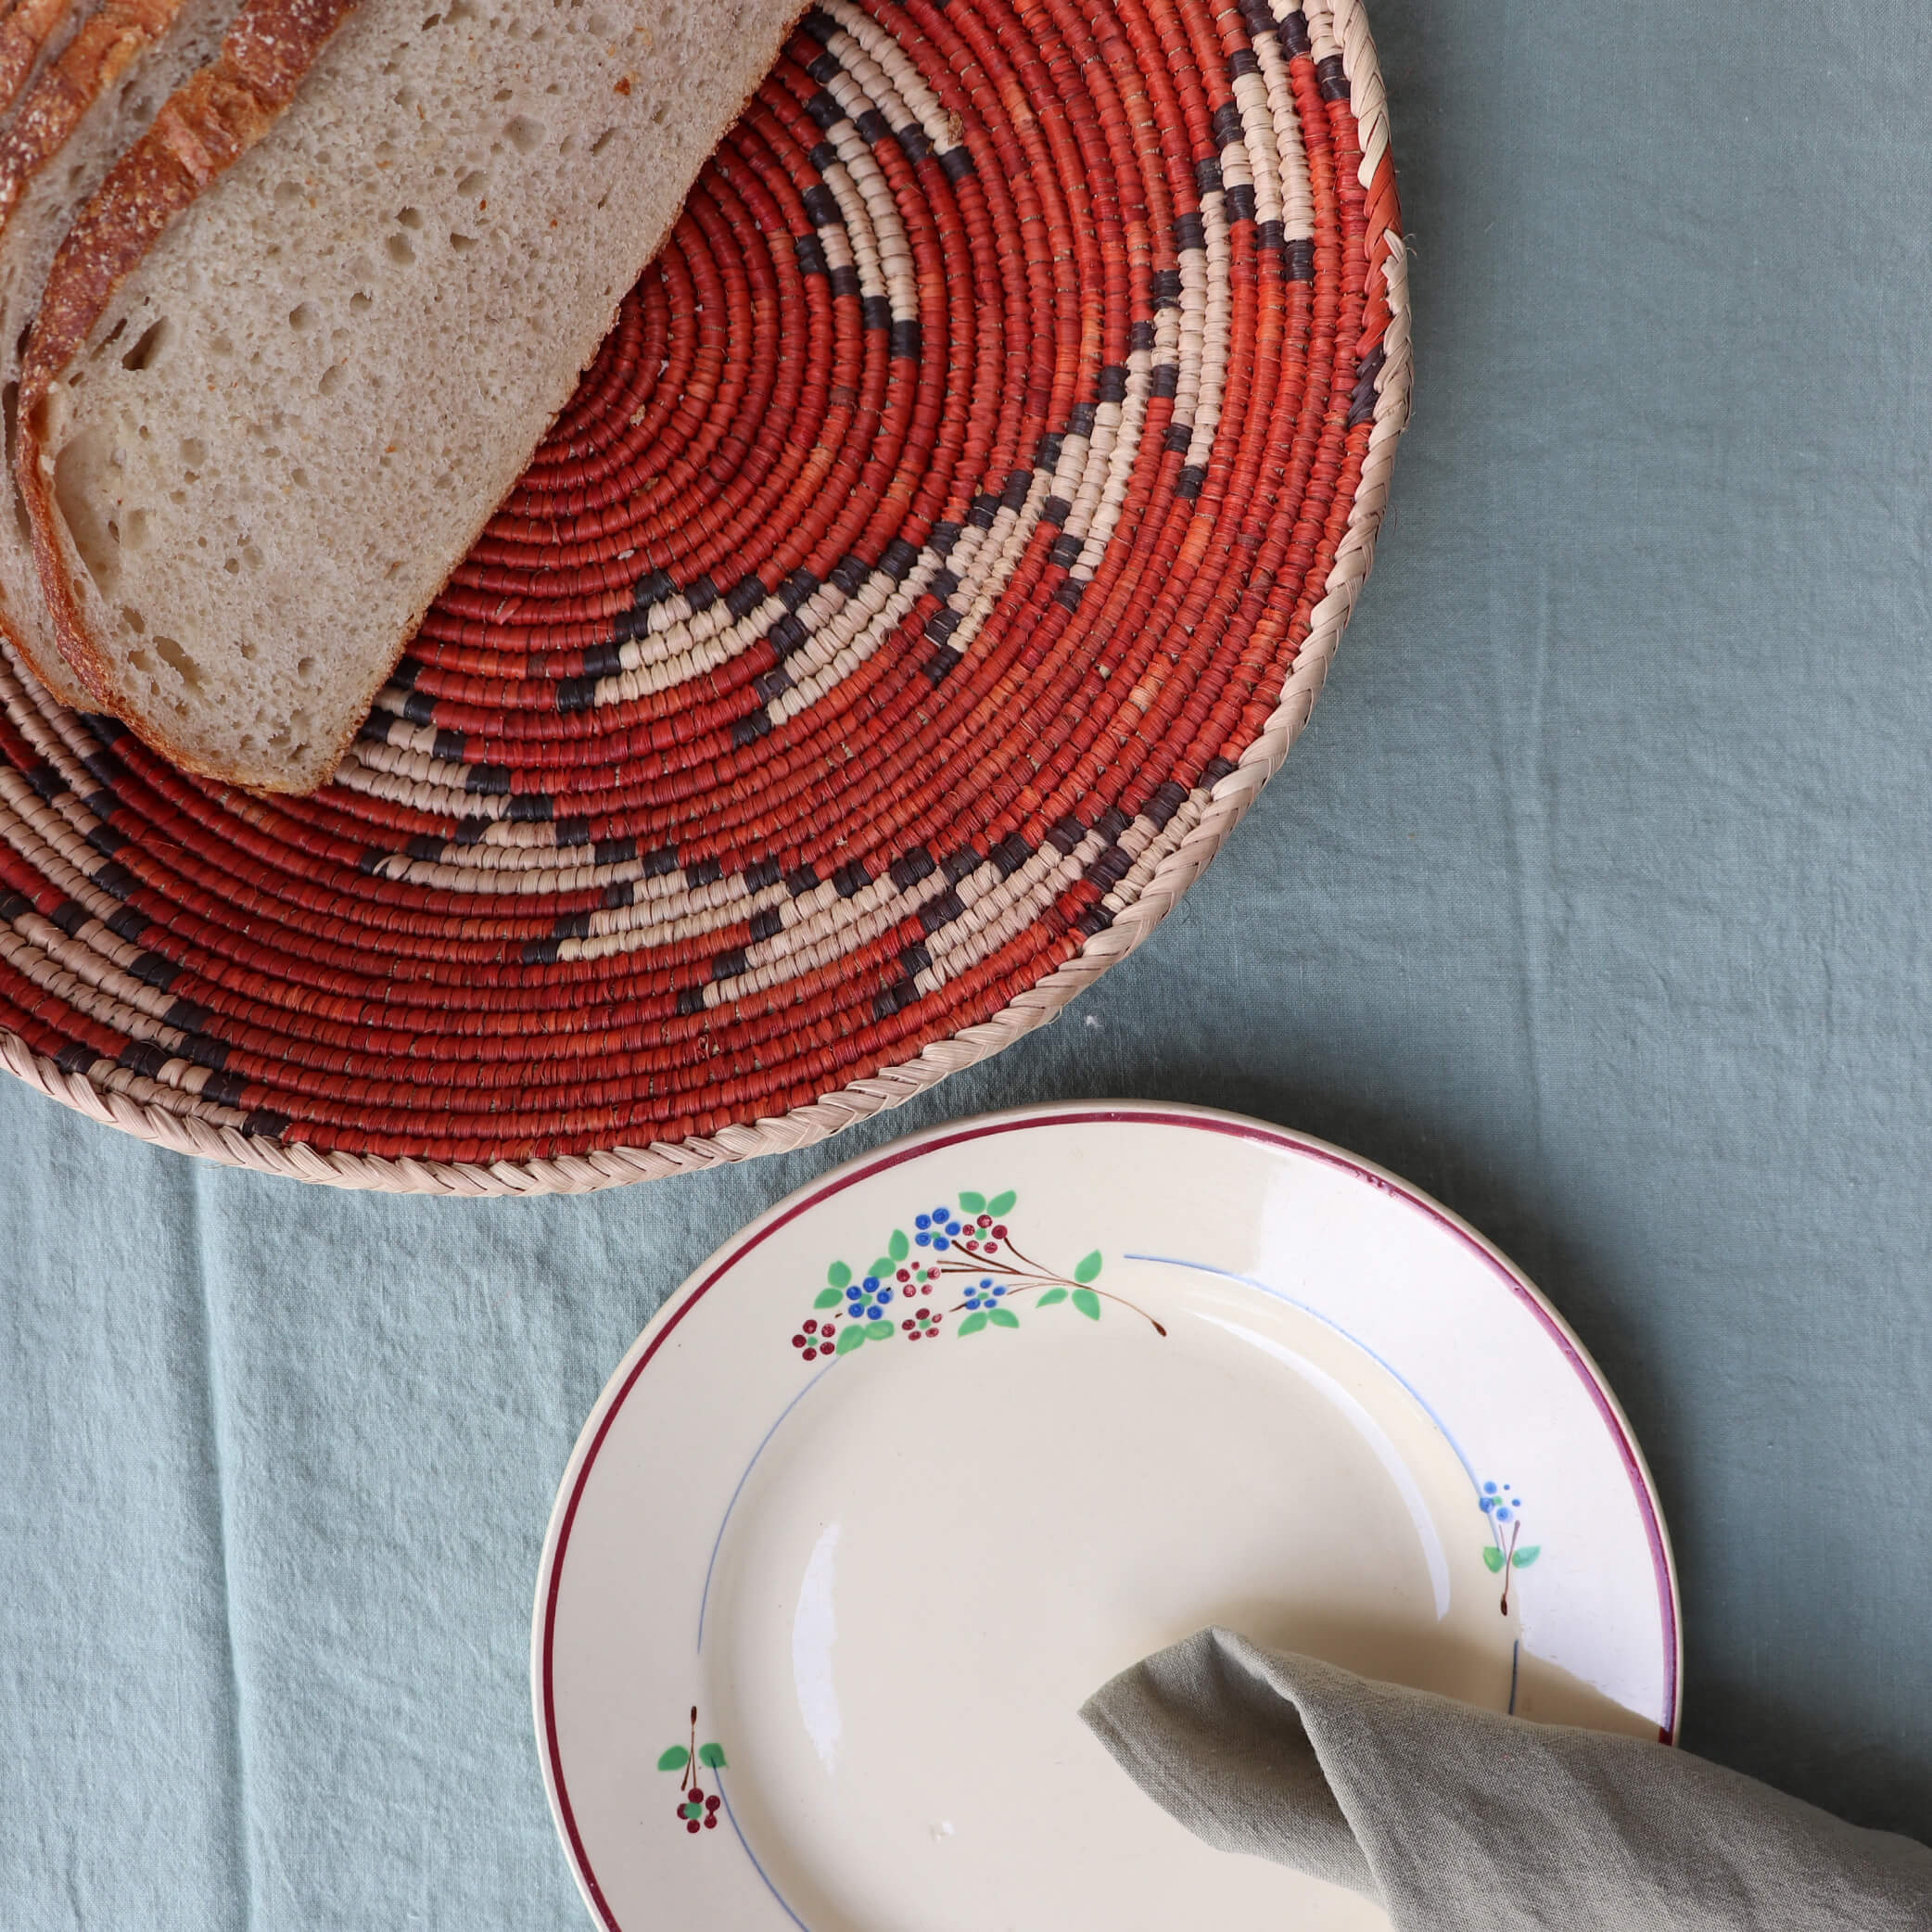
73, 123
288, 361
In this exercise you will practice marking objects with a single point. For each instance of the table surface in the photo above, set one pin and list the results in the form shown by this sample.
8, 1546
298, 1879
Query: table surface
1595, 900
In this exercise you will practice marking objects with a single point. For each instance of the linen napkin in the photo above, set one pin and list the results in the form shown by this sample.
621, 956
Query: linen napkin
1454, 1818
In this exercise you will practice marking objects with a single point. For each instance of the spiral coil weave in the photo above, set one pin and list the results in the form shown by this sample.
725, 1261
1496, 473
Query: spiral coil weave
949, 539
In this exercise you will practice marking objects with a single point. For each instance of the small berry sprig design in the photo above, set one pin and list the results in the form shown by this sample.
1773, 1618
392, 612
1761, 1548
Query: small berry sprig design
971, 1245
696, 1811
1506, 1553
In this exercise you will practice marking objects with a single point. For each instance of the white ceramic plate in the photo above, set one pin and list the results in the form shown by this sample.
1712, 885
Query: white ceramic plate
814, 1618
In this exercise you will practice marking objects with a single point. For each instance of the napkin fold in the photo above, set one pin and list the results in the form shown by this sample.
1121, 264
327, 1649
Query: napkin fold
1452, 1818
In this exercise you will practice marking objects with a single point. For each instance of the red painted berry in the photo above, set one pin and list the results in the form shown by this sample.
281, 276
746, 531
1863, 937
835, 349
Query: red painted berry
692, 1825
1000, 1230
986, 1220
811, 1327
710, 1823
711, 1802
798, 1341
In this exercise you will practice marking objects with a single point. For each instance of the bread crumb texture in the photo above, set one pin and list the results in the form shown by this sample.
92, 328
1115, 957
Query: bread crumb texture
299, 409
97, 98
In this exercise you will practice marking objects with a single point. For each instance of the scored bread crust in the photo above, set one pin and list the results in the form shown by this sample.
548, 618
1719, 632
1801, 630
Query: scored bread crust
209, 121
100, 53
24, 33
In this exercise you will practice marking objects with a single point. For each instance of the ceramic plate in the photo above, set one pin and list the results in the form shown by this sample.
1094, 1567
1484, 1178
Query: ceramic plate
949, 1437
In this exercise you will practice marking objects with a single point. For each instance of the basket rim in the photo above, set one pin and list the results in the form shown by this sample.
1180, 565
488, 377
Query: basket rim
1346, 24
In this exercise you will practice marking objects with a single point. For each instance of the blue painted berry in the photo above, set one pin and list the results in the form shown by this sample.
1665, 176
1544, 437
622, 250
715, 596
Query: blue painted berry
1499, 1502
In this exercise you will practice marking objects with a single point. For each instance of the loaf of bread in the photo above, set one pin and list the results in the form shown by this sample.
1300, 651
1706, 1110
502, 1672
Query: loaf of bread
74, 121
306, 336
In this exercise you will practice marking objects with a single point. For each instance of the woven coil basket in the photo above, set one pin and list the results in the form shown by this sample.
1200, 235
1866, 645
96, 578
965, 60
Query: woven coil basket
947, 544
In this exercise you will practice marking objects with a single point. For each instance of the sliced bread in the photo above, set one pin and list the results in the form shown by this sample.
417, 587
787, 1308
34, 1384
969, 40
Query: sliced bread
289, 359
73, 123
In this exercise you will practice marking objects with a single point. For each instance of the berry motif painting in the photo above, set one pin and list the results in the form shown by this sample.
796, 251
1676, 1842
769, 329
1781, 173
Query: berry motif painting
697, 1808
969, 1252
1506, 1551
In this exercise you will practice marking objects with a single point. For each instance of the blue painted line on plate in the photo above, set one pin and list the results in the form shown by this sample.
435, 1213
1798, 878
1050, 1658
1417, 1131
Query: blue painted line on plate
749, 1854
1382, 1362
718, 1542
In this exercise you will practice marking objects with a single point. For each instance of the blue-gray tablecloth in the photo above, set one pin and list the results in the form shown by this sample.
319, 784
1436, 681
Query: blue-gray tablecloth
1598, 900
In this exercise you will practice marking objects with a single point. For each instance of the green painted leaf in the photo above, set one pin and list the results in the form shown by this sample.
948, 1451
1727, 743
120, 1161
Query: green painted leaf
1088, 1302
973, 1325
1051, 1296
974, 1203
711, 1756
1088, 1267
850, 1339
881, 1270
899, 1247
1492, 1556
879, 1332
1523, 1559
692, 1810
826, 1298
1001, 1203
839, 1275
675, 1759
1002, 1318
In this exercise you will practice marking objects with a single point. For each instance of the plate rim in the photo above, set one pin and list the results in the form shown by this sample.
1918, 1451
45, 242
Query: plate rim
664, 1321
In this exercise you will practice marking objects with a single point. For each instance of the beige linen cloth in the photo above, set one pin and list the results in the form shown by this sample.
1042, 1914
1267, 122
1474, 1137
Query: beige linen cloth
1458, 1820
